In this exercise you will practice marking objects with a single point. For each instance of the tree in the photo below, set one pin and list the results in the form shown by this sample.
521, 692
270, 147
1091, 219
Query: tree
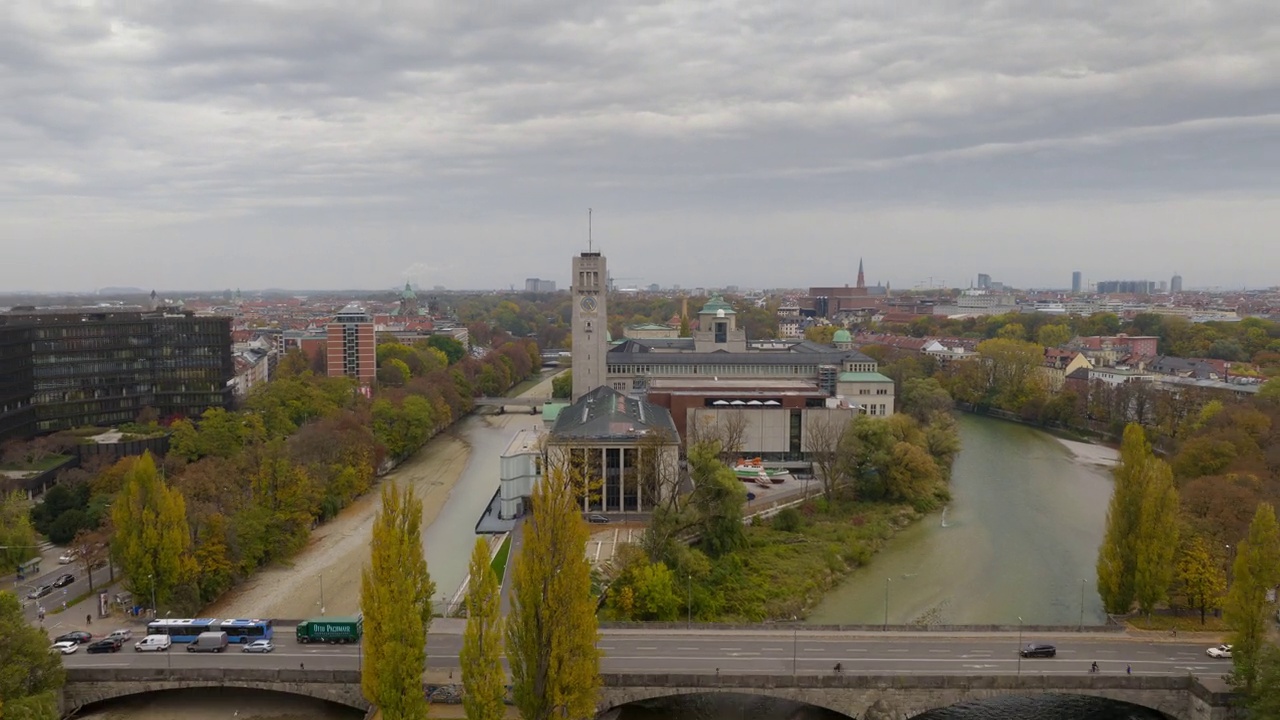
1117, 556
1264, 700
151, 543
732, 431
822, 435
1053, 335
1200, 574
821, 334
1157, 541
1256, 571
551, 629
1012, 370
93, 549
395, 596
30, 676
451, 347
16, 533
562, 385
685, 330
483, 680
717, 498
922, 398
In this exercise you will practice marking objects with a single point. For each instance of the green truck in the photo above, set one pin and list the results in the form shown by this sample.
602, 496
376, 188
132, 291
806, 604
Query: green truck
331, 630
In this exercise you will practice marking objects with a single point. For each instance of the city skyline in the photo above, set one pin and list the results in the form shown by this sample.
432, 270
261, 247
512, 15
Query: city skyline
195, 145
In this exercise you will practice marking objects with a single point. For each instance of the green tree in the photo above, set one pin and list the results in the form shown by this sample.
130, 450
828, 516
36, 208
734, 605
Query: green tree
1264, 700
395, 596
483, 680
1053, 335
821, 334
922, 398
16, 533
1012, 331
685, 330
551, 629
562, 385
451, 347
1201, 576
1256, 571
152, 543
30, 676
1157, 541
1117, 556
717, 498
1012, 370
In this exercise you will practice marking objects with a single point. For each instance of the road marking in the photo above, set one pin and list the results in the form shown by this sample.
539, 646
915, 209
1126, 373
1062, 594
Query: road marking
688, 648
723, 648
902, 650
936, 650
605, 647
651, 647
817, 649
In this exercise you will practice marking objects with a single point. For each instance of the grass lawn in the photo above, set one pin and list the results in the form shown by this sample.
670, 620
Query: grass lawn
39, 466
499, 563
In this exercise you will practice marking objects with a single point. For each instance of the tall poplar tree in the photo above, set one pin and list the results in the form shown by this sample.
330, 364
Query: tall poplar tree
551, 629
151, 544
1201, 576
483, 680
1157, 541
1255, 571
395, 596
1117, 556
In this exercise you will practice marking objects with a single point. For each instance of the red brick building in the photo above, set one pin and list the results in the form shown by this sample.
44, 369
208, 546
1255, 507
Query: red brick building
351, 345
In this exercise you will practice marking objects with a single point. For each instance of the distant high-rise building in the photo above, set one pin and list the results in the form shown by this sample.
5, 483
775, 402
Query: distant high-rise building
1175, 285
1076, 284
351, 348
984, 281
1128, 287
536, 285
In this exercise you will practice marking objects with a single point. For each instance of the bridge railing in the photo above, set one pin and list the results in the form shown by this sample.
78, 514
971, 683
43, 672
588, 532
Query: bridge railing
211, 675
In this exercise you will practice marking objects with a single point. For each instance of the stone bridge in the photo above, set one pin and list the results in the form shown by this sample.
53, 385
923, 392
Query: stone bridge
1177, 697
90, 685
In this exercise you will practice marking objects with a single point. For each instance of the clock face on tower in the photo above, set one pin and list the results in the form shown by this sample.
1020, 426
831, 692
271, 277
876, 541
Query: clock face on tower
587, 303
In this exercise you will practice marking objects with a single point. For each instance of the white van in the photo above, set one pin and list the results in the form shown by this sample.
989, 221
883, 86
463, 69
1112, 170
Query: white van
154, 643
209, 642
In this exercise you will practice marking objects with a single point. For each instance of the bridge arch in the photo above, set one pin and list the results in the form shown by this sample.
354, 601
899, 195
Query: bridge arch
87, 686
1177, 698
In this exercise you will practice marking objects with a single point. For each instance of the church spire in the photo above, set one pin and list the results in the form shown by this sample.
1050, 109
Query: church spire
862, 280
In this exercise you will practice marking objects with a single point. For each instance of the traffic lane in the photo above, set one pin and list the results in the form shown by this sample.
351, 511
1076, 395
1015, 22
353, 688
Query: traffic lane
54, 600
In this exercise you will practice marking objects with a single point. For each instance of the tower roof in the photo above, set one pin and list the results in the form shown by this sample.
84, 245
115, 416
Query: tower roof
842, 336
408, 292
715, 304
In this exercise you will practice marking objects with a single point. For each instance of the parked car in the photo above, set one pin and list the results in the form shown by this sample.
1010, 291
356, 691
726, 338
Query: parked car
68, 557
40, 592
105, 645
597, 519
64, 580
1220, 651
65, 647
258, 646
122, 635
75, 636
1033, 650
153, 643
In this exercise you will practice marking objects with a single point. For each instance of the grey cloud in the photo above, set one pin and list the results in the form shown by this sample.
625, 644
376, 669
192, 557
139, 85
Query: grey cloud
145, 117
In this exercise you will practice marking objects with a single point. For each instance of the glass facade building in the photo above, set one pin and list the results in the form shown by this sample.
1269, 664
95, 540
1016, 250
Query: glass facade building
96, 368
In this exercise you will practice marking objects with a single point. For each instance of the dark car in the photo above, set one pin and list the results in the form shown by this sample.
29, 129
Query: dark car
597, 519
106, 645
75, 636
64, 580
1038, 650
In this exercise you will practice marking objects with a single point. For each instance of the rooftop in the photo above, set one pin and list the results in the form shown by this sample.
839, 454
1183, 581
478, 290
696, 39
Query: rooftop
863, 377
606, 413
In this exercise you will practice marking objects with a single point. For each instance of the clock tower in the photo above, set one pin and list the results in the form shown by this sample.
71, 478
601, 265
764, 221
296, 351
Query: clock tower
590, 324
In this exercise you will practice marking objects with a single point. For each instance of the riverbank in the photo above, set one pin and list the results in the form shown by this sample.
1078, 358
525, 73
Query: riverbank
1091, 454
331, 563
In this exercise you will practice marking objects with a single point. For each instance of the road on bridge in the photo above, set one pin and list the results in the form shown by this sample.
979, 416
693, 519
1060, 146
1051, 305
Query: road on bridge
764, 652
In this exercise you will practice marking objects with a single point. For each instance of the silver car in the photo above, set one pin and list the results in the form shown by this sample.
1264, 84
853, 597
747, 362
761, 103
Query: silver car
258, 646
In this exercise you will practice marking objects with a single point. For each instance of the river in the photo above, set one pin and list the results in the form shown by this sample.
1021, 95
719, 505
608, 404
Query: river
1019, 539
1019, 536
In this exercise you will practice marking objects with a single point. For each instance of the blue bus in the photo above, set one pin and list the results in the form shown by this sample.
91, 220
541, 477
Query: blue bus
187, 630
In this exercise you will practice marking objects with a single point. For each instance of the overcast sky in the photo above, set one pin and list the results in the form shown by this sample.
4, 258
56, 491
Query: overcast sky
181, 144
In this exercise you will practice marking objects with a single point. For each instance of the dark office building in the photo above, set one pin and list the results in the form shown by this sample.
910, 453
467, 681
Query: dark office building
17, 416
103, 368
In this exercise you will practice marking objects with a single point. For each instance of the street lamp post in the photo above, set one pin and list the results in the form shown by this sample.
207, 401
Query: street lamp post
795, 639
1019, 646
321, 576
1231, 552
689, 582
886, 604
1082, 583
